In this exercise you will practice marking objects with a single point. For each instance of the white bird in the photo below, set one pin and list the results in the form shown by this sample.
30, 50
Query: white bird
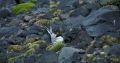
54, 39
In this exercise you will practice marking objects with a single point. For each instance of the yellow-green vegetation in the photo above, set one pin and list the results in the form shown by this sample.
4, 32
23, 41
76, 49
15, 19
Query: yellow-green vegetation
30, 45
23, 7
40, 15
39, 54
36, 44
18, 48
43, 22
14, 58
90, 46
53, 6
12, 36
39, 42
94, 59
112, 2
52, 10
109, 40
88, 56
105, 46
56, 13
31, 40
28, 52
55, 18
56, 46
115, 60
33, 46
14, 48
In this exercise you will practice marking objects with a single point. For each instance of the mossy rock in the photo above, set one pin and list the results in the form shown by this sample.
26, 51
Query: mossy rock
31, 40
14, 48
56, 47
52, 10
43, 22
24, 7
28, 52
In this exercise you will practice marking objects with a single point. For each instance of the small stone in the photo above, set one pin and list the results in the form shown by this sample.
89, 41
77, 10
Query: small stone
27, 18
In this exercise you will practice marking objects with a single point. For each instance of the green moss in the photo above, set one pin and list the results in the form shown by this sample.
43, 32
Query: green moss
52, 10
56, 47
28, 52
40, 42
112, 2
24, 7
33, 46
33, 1
14, 58
14, 48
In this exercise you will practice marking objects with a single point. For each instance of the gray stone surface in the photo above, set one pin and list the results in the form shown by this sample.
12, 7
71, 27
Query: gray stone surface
66, 53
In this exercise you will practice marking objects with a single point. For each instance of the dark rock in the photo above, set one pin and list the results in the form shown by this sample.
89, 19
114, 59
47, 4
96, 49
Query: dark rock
92, 6
3, 46
21, 60
66, 53
40, 10
17, 40
42, 3
103, 1
47, 57
28, 32
76, 58
72, 21
68, 5
30, 59
5, 12
18, 61
81, 45
2, 22
99, 22
99, 29
7, 31
31, 36
71, 33
48, 16
113, 34
56, 26
84, 37
14, 22
71, 25
4, 3
114, 50
2, 60
27, 18
46, 37
109, 7
79, 11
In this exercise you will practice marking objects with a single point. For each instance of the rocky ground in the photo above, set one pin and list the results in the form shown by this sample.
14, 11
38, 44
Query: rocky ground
90, 29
